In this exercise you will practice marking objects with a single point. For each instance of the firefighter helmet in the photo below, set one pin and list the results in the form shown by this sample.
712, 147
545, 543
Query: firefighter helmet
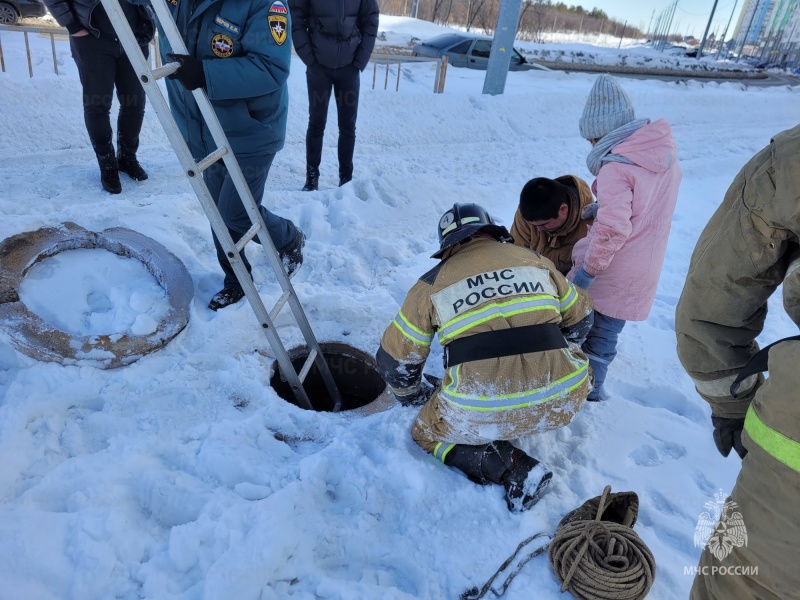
463, 221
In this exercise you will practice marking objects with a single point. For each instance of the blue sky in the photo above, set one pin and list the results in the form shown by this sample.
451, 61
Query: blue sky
691, 16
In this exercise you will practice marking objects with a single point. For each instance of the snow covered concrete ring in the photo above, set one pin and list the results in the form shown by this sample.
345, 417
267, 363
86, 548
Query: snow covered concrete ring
33, 336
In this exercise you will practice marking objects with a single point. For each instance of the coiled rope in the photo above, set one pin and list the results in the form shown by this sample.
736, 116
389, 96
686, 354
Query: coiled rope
602, 560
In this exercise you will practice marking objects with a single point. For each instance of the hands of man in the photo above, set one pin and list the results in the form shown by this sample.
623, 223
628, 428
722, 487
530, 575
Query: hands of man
190, 74
728, 435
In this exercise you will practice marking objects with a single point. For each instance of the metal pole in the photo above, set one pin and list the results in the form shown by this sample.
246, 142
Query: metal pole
28, 52
2, 61
623, 34
502, 47
725, 33
414, 8
53, 47
747, 30
705, 33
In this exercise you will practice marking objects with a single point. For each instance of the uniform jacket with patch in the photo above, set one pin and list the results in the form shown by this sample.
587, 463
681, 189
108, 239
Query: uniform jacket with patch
626, 245
484, 286
747, 249
335, 33
75, 15
246, 47
557, 245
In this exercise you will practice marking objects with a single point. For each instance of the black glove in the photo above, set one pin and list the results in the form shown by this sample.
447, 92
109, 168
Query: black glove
190, 74
728, 435
418, 397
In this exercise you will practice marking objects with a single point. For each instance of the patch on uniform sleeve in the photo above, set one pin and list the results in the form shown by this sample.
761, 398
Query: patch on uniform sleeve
226, 24
222, 45
278, 7
174, 2
277, 27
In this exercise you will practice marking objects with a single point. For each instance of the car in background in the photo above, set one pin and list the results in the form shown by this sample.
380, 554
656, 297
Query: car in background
469, 51
11, 11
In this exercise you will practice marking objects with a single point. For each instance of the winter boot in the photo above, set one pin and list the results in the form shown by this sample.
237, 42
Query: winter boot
345, 176
225, 297
503, 464
312, 179
526, 480
130, 165
292, 255
109, 174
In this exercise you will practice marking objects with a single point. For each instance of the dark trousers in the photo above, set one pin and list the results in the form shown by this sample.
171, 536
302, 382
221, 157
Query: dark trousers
103, 66
345, 83
255, 171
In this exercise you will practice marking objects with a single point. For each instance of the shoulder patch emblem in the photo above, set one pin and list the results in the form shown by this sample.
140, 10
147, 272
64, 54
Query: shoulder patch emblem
222, 45
226, 24
277, 27
278, 7
174, 2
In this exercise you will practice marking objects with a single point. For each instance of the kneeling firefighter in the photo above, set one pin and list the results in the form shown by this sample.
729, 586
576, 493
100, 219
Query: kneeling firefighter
511, 327
750, 246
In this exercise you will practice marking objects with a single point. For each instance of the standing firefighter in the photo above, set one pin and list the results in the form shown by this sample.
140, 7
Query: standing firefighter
746, 251
511, 326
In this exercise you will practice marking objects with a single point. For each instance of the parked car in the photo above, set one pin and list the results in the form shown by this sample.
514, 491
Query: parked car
470, 51
11, 11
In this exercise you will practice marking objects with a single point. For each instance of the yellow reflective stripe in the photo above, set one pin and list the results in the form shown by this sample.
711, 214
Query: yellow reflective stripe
413, 333
495, 310
569, 299
441, 450
555, 389
774, 443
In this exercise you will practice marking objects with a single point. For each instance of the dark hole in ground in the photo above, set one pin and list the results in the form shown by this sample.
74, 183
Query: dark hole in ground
353, 371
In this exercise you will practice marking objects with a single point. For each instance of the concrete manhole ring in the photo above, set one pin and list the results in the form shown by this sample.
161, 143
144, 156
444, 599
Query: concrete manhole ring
33, 336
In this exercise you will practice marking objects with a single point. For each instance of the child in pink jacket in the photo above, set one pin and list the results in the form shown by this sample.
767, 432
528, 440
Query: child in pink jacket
637, 178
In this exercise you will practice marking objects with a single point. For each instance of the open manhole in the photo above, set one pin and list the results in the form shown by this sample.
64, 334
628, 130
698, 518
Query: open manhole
353, 371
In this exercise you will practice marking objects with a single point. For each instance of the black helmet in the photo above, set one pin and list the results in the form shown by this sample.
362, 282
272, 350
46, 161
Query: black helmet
463, 221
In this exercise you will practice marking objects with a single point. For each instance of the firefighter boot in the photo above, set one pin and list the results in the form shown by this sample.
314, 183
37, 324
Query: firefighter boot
501, 463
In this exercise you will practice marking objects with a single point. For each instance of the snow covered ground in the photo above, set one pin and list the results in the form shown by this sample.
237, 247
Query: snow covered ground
184, 475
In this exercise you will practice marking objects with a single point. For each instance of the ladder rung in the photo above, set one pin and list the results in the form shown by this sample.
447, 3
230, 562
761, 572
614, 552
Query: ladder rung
307, 366
167, 69
279, 305
251, 233
211, 158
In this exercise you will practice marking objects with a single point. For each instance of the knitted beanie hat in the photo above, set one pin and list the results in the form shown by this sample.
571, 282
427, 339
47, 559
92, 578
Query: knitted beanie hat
607, 108
540, 199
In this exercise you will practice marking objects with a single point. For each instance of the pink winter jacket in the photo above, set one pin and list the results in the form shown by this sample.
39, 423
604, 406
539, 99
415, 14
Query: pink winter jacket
625, 247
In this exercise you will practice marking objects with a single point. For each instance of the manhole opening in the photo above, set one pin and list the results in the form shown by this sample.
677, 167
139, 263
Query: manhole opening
353, 371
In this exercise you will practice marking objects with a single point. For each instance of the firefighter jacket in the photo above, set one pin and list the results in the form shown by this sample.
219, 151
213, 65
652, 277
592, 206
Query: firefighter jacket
748, 248
557, 245
480, 286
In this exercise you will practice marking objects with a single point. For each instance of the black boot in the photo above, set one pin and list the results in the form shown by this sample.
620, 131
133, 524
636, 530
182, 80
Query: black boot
503, 464
312, 179
130, 165
345, 176
292, 255
225, 297
109, 175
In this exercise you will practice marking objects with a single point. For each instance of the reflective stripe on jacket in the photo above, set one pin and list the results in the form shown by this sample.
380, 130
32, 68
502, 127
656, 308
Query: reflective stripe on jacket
487, 286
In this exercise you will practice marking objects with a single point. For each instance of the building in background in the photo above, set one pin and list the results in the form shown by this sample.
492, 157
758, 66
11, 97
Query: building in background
769, 30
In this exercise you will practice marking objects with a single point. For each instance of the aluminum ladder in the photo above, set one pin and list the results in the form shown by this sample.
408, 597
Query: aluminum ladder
194, 170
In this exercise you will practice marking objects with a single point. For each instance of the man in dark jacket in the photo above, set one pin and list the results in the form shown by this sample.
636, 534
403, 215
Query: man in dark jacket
241, 50
102, 66
334, 38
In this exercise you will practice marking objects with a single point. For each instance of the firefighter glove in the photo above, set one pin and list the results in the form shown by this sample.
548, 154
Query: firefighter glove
416, 398
190, 74
728, 435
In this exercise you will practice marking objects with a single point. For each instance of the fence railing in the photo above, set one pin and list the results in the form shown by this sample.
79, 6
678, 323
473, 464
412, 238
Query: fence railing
384, 61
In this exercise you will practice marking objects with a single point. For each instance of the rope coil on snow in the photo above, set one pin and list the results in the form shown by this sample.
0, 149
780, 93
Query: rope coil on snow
602, 560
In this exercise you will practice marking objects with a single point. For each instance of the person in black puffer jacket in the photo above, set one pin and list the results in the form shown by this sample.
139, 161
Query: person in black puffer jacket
102, 66
334, 38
